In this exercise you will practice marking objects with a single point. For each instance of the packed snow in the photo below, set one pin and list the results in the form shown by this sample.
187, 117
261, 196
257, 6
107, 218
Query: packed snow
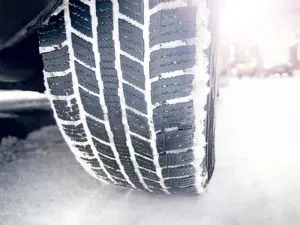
256, 180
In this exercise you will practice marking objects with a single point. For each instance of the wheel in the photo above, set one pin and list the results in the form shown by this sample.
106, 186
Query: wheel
128, 84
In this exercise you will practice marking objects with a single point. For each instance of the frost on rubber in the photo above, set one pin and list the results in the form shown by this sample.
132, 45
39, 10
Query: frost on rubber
128, 84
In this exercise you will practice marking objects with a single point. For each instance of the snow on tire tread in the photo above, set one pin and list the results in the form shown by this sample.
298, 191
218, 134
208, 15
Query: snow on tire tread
124, 79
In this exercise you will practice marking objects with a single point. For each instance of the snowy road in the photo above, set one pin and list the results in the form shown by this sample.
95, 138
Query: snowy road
256, 180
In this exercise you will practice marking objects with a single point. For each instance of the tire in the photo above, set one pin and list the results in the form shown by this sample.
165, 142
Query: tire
128, 84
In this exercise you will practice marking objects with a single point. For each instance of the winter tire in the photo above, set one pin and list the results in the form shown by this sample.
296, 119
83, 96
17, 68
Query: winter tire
129, 85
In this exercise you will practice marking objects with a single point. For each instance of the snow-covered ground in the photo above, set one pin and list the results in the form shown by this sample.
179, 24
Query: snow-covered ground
256, 181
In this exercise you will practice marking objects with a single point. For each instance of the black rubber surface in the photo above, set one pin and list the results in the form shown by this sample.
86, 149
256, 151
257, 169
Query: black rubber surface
177, 25
54, 33
91, 104
86, 78
133, 9
179, 115
61, 85
170, 88
85, 149
133, 72
81, 17
57, 60
168, 60
66, 111
75, 132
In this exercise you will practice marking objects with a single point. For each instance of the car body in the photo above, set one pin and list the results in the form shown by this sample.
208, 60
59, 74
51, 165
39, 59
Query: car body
20, 18
20, 62
283, 68
246, 68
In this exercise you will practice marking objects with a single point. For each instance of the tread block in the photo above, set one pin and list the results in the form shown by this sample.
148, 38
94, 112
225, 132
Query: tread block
138, 124
178, 182
76, 133
183, 190
97, 129
109, 162
176, 159
173, 140
145, 163
111, 87
171, 88
149, 175
129, 169
105, 23
141, 147
133, 72
100, 173
153, 3
179, 115
135, 98
151, 183
104, 13
116, 124
172, 59
67, 110
127, 163
131, 39
173, 24
114, 173
105, 38
80, 17
92, 162
54, 33
112, 100
122, 183
107, 52
61, 86
110, 81
133, 9
57, 60
91, 104
103, 149
86, 149
157, 191
83, 50
86, 77
178, 171
120, 143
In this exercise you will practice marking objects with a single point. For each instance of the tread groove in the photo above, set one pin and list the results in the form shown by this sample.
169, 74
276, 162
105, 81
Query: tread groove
76, 85
113, 95
101, 83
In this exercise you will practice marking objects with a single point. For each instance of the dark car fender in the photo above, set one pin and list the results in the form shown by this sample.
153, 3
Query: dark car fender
20, 18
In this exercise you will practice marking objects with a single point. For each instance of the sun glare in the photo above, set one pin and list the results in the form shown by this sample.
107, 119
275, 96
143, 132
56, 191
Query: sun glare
248, 23
246, 19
